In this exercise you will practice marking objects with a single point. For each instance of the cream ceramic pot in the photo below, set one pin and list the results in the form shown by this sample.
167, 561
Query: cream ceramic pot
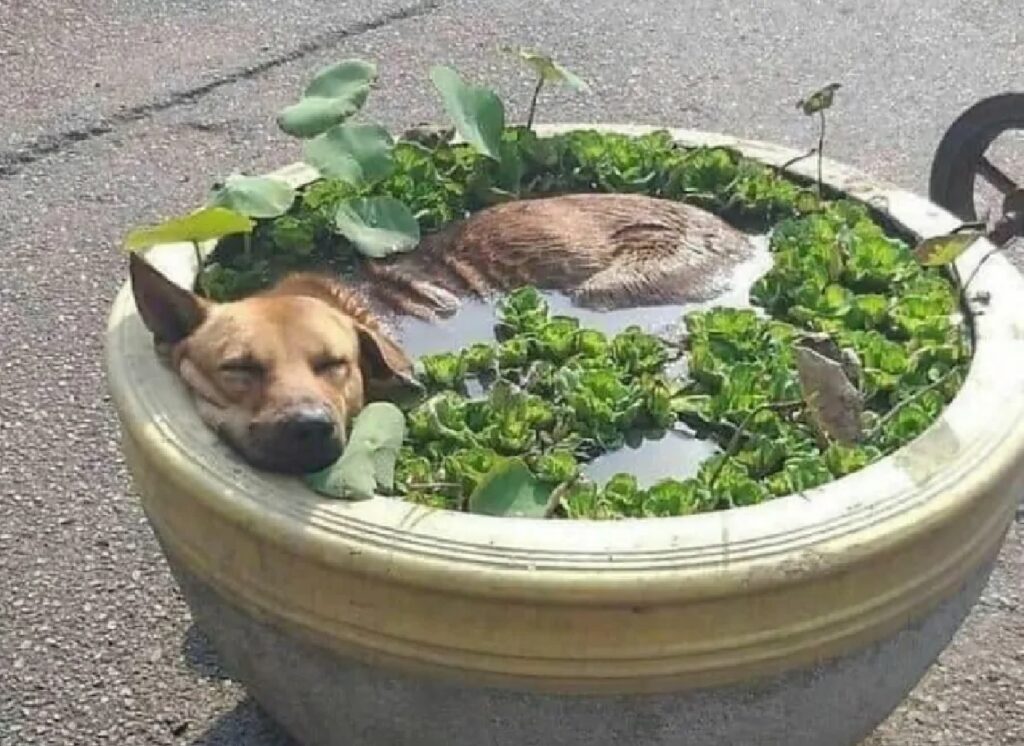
799, 622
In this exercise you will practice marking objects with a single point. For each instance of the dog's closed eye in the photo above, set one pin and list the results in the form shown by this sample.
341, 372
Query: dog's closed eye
330, 365
242, 366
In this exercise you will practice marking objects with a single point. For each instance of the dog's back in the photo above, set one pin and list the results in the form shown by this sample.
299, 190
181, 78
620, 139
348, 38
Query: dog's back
604, 250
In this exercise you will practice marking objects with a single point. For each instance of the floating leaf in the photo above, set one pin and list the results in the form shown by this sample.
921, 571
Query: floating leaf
378, 226
368, 462
254, 196
819, 100
202, 225
549, 70
355, 153
476, 112
826, 346
510, 489
835, 404
939, 250
335, 93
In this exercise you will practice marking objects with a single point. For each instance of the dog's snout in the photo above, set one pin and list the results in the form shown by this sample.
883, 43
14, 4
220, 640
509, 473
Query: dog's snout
300, 439
309, 425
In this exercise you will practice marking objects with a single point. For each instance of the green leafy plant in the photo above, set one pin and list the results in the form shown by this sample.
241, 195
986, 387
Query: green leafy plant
818, 103
333, 95
202, 225
854, 350
254, 196
377, 226
547, 71
477, 112
939, 251
368, 463
510, 489
354, 153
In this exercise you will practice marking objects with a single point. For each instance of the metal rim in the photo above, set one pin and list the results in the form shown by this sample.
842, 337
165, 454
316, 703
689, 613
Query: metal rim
961, 156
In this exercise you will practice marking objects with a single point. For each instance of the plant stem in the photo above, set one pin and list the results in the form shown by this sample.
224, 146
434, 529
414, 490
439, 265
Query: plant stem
991, 252
965, 305
887, 417
796, 159
199, 270
734, 442
533, 102
821, 146
432, 485
963, 286
557, 494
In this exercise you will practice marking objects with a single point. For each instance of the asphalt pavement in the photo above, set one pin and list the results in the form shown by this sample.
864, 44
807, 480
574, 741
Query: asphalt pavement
118, 112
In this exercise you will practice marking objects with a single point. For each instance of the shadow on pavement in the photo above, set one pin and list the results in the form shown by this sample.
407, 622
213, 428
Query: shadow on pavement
246, 725
200, 656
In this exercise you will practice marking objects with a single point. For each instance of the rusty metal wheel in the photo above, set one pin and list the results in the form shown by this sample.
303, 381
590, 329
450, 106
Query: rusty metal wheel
962, 156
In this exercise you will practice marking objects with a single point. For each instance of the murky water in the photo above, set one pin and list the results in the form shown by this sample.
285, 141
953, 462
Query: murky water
676, 454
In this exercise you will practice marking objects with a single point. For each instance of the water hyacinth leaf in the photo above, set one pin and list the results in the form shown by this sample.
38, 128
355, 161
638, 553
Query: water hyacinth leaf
378, 226
292, 235
446, 369
368, 462
355, 153
557, 467
254, 196
549, 70
476, 112
834, 403
335, 93
202, 225
820, 100
940, 250
510, 489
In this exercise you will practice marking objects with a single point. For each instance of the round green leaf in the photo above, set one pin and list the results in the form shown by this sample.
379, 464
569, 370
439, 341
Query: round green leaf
202, 225
939, 250
254, 196
476, 112
819, 100
368, 461
378, 226
549, 70
355, 153
510, 489
338, 80
336, 93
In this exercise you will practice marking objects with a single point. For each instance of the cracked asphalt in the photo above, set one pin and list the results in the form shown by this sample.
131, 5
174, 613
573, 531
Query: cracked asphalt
118, 112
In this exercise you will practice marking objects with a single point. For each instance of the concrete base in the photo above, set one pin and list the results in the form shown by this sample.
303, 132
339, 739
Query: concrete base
324, 700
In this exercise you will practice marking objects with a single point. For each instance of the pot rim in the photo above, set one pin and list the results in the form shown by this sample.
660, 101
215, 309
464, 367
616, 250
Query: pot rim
971, 450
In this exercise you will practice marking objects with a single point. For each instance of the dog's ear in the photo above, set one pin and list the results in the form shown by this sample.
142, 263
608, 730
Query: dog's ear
382, 360
167, 310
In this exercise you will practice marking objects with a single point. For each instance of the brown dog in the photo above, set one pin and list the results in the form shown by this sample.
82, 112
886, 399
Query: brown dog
605, 251
280, 374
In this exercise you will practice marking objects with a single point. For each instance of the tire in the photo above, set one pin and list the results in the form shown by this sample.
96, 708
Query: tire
951, 184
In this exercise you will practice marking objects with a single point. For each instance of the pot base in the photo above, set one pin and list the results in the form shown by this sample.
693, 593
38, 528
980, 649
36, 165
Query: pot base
322, 699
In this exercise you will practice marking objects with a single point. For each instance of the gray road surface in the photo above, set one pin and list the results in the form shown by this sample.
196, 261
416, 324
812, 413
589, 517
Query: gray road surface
115, 112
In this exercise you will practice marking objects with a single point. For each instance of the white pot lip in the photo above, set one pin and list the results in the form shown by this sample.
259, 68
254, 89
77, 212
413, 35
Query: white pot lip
974, 447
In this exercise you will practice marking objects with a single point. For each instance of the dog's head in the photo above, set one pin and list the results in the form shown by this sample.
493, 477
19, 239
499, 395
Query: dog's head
279, 376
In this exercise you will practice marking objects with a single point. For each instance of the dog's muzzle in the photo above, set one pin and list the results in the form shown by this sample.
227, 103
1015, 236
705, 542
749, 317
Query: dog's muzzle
300, 439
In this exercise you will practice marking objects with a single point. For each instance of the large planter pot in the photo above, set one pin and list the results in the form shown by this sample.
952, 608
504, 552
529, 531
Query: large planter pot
803, 621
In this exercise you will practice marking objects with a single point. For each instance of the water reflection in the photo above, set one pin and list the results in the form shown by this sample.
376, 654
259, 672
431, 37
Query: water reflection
675, 454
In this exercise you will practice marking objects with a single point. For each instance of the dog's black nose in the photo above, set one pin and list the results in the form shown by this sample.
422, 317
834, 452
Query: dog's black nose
309, 426
302, 439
